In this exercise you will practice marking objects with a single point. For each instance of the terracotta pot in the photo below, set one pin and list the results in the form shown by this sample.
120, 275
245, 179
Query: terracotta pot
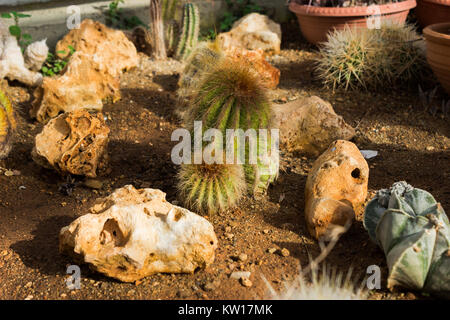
316, 22
437, 38
432, 11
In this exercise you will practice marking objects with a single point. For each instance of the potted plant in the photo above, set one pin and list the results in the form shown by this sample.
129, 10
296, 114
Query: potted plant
437, 37
317, 17
432, 11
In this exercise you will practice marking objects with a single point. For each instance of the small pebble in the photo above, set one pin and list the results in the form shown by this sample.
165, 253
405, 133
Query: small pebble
243, 257
271, 250
246, 282
285, 252
240, 274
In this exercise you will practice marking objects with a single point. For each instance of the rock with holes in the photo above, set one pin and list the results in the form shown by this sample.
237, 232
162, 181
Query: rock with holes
254, 31
134, 233
309, 125
74, 142
336, 188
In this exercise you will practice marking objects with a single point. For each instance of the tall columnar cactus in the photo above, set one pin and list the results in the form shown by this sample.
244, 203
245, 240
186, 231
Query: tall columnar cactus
7, 124
414, 233
230, 96
157, 28
211, 188
190, 31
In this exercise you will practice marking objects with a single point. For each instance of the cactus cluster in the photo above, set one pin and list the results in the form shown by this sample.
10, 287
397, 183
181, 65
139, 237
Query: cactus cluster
229, 95
7, 124
414, 233
370, 58
189, 32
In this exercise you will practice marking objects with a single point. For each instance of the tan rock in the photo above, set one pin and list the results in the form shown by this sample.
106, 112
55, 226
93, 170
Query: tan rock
253, 31
92, 74
134, 233
309, 125
336, 188
269, 75
81, 86
109, 49
74, 143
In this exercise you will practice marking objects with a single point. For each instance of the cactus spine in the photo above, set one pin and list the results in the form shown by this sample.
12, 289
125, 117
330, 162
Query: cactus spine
414, 233
7, 124
190, 31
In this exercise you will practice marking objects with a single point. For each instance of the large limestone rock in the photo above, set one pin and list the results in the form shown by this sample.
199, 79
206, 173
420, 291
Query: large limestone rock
74, 143
134, 233
14, 66
109, 49
309, 125
336, 188
81, 86
92, 74
254, 31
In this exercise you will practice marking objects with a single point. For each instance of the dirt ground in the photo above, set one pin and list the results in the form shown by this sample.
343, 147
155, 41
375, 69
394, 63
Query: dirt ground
412, 146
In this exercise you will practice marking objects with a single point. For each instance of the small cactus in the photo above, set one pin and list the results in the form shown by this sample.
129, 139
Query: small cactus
414, 233
190, 31
230, 96
370, 58
7, 124
212, 188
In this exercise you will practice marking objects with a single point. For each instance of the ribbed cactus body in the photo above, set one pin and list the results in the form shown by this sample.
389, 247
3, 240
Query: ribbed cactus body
190, 31
211, 188
414, 233
7, 124
231, 97
171, 37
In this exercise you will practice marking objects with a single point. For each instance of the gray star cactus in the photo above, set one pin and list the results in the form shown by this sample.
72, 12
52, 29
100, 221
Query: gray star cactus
414, 233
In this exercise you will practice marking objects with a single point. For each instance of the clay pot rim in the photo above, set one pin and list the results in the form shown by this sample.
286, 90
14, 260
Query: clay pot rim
307, 10
433, 31
441, 2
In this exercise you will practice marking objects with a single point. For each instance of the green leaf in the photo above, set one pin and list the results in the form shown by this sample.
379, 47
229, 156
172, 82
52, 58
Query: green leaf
61, 51
23, 15
6, 15
26, 36
15, 31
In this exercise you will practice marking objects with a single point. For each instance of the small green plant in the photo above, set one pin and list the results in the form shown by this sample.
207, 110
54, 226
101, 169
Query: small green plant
7, 124
371, 58
23, 39
208, 189
54, 65
414, 233
190, 31
115, 17
236, 10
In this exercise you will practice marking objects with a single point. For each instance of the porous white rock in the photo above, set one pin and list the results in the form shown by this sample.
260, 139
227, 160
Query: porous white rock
134, 233
12, 63
35, 55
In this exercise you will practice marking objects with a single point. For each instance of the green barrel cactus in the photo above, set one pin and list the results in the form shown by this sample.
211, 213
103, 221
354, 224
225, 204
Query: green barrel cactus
414, 232
230, 96
190, 31
7, 124
208, 189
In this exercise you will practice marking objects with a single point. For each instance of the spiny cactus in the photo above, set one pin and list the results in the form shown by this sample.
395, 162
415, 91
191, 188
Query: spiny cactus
359, 57
204, 57
190, 31
211, 188
7, 124
327, 285
230, 96
414, 233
